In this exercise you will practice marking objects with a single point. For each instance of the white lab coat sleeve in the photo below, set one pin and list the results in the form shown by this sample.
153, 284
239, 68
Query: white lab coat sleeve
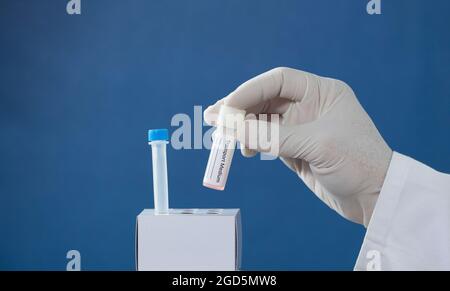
410, 225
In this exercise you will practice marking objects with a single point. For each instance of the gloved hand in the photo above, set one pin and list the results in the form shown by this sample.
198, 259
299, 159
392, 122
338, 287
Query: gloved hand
325, 136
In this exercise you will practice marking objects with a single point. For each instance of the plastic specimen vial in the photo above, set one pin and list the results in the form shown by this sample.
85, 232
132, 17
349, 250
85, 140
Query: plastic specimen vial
222, 150
158, 139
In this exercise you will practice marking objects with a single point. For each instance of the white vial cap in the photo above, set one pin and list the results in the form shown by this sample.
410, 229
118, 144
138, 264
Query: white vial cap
230, 117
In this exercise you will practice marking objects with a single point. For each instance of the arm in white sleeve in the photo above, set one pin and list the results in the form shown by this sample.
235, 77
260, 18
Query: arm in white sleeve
410, 226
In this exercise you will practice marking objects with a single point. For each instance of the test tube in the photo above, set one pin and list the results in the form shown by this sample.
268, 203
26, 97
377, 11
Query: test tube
158, 139
222, 150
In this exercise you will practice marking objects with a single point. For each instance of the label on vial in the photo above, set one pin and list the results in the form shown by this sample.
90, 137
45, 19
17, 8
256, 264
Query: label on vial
219, 162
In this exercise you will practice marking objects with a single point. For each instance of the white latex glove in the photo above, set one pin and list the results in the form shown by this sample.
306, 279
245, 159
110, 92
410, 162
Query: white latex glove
325, 136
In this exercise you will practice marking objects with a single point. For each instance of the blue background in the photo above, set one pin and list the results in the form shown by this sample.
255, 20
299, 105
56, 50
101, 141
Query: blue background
78, 93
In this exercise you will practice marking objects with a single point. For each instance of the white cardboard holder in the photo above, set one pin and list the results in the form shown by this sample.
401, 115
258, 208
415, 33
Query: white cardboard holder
189, 240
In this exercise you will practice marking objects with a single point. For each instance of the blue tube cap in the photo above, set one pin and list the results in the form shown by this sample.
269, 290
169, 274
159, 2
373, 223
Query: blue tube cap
158, 134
